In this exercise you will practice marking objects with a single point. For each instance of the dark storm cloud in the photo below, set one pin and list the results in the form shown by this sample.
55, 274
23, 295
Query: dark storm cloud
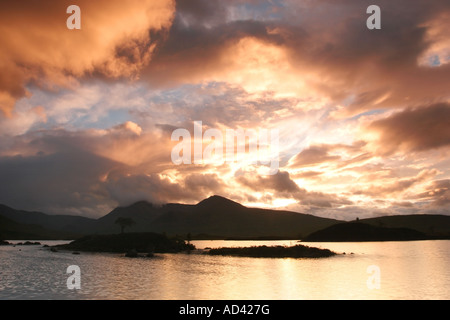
279, 182
127, 189
192, 53
283, 186
327, 42
373, 69
416, 129
396, 186
63, 172
438, 193
59, 183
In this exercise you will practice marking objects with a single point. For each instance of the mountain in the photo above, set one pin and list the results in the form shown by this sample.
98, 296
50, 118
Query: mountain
432, 225
357, 231
216, 201
12, 230
215, 216
142, 213
55, 224
74, 224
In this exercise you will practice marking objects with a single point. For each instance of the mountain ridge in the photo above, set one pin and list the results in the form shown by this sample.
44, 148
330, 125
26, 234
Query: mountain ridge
356, 231
214, 217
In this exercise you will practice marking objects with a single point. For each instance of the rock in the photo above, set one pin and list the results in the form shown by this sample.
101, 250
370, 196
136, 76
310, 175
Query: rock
75, 252
132, 254
150, 255
53, 249
297, 251
28, 243
123, 243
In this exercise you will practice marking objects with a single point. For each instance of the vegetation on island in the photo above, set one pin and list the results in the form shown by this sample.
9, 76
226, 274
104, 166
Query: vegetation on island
124, 222
357, 231
145, 242
3, 242
297, 251
29, 243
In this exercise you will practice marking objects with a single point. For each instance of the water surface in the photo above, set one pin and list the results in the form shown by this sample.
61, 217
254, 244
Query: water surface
408, 270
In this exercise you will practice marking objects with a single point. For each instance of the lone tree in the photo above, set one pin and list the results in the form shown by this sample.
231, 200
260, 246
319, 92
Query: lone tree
124, 222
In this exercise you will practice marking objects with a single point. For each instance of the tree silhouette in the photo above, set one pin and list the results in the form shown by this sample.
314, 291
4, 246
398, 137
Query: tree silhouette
124, 222
189, 238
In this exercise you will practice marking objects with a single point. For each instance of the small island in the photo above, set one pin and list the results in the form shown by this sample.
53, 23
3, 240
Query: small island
297, 251
357, 231
146, 242
29, 243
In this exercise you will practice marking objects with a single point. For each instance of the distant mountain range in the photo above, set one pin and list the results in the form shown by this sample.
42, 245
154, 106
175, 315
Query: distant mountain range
25, 225
214, 217
357, 231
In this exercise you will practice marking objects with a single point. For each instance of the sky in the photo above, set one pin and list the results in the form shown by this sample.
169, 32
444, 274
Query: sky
363, 116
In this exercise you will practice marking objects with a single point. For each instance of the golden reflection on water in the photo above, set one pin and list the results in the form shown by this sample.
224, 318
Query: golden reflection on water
409, 270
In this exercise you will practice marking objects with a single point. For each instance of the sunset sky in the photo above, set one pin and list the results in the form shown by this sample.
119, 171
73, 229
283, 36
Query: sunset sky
86, 116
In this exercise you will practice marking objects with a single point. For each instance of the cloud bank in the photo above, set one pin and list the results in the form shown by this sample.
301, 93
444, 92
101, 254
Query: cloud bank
86, 115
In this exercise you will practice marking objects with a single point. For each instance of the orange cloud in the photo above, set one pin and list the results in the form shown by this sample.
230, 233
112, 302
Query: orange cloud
390, 187
415, 129
36, 45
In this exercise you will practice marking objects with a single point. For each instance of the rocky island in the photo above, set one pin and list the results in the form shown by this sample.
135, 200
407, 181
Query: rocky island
148, 243
357, 231
298, 251
145, 242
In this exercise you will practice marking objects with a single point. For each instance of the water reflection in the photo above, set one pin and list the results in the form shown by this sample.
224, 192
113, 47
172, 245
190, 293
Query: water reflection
409, 270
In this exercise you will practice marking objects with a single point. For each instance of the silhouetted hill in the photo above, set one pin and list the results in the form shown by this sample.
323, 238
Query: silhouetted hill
142, 213
74, 225
356, 231
433, 225
215, 217
215, 201
13, 230
218, 216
